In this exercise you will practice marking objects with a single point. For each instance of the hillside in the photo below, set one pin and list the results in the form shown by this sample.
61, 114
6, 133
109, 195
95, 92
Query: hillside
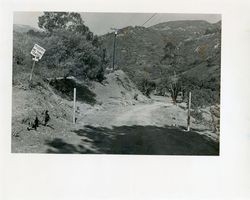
137, 48
177, 31
117, 92
140, 51
21, 28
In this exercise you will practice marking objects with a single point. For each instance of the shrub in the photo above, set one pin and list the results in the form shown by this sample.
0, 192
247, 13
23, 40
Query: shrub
146, 86
67, 54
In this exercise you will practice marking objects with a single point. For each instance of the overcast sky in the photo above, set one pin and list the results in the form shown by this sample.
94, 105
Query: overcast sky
100, 23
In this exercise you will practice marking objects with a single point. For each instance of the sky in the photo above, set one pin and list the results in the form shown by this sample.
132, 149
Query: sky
100, 23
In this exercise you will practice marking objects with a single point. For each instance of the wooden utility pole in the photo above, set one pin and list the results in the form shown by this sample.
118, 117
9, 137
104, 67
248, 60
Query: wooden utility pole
114, 47
113, 65
189, 106
74, 107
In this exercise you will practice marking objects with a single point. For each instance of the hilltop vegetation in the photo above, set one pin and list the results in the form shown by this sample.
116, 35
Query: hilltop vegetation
71, 49
189, 50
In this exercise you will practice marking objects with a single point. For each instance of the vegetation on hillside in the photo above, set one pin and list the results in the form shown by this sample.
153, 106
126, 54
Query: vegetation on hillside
186, 51
150, 56
71, 48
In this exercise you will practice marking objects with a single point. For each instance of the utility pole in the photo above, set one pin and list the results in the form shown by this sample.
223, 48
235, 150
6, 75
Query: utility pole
189, 106
114, 46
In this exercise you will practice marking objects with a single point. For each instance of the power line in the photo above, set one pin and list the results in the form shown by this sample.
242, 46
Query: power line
115, 35
149, 19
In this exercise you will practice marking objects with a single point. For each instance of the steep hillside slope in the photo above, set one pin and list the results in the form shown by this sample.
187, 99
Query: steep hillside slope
137, 48
140, 51
196, 46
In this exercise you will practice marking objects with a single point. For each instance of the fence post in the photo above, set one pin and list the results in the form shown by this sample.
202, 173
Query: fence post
189, 106
74, 107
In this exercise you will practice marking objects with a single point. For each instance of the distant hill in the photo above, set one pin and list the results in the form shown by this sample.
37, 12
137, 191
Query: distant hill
21, 28
137, 48
141, 49
140, 52
176, 31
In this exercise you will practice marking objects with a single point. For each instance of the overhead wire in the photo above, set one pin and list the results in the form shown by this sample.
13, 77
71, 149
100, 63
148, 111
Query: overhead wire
148, 19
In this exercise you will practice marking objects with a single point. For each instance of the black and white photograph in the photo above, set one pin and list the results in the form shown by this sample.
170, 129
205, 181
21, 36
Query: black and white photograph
116, 83
124, 100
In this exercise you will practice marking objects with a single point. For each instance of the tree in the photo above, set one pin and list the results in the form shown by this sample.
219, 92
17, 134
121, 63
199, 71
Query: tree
169, 53
147, 86
172, 83
72, 50
174, 88
95, 41
70, 54
51, 21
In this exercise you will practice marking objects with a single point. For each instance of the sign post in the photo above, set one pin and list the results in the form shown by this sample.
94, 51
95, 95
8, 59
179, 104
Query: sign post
37, 51
189, 106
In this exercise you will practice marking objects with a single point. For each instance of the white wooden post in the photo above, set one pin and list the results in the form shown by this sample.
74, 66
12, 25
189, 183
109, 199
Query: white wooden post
189, 106
74, 107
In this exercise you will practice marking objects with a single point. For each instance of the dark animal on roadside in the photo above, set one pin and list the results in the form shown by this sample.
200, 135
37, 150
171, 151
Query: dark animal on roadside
46, 118
34, 125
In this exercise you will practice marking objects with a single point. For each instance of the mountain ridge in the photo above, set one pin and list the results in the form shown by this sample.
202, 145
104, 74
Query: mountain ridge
23, 28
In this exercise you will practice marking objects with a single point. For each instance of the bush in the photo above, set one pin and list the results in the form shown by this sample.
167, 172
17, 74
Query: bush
18, 56
204, 92
72, 55
203, 97
67, 54
146, 86
196, 114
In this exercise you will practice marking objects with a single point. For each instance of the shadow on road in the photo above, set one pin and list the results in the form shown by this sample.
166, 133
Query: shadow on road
147, 140
61, 146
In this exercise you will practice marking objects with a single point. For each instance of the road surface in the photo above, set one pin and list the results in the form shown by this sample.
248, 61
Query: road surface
140, 114
140, 129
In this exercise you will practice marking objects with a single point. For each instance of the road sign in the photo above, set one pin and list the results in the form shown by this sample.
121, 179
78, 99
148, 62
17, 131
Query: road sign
37, 51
